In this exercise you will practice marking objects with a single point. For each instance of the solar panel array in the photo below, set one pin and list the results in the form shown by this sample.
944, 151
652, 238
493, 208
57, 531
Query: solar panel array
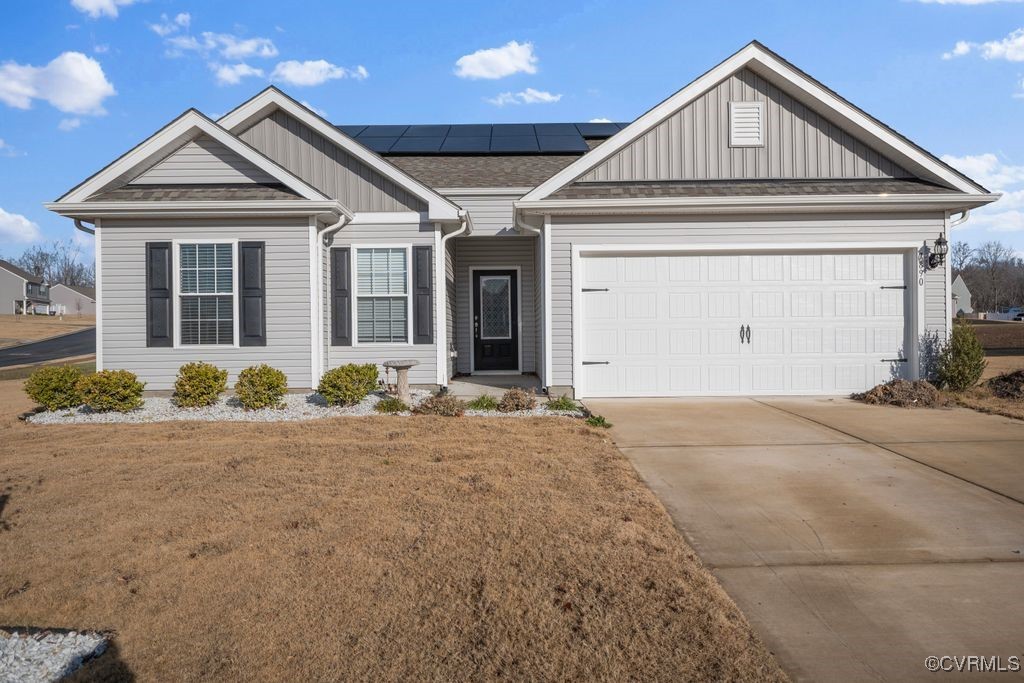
482, 138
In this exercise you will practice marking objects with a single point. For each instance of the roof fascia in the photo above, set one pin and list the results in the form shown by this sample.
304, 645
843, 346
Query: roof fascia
188, 126
271, 99
290, 207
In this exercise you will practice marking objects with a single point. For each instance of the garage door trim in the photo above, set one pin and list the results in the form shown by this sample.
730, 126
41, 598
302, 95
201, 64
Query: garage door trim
914, 314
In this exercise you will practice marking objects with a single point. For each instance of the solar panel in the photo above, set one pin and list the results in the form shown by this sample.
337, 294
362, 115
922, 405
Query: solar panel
379, 145
500, 130
464, 145
562, 143
556, 129
410, 145
514, 143
598, 130
426, 131
470, 130
351, 131
383, 131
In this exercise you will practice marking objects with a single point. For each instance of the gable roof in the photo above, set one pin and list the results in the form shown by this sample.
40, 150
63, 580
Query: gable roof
272, 99
20, 272
463, 171
798, 84
88, 292
186, 127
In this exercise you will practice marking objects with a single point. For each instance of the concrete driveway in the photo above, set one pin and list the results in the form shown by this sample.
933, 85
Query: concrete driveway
857, 539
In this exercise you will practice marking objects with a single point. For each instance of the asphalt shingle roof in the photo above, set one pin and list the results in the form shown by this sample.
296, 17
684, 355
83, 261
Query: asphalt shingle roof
524, 170
747, 188
202, 193
20, 272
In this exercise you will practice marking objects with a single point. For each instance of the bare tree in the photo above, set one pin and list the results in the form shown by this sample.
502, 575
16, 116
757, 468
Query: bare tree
960, 256
995, 277
58, 262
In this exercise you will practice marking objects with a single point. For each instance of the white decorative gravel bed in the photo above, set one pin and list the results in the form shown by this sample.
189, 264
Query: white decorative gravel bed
296, 407
46, 655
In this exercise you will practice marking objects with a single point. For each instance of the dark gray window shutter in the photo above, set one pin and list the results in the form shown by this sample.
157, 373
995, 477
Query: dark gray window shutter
159, 304
341, 297
252, 293
423, 296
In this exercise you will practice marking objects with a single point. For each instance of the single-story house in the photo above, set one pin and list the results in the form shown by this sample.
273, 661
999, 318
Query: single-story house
961, 297
74, 299
754, 233
21, 292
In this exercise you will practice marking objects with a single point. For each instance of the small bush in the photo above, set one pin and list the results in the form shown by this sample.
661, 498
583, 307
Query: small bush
598, 421
260, 386
485, 402
563, 402
390, 405
111, 390
516, 399
55, 388
445, 405
962, 359
199, 384
348, 385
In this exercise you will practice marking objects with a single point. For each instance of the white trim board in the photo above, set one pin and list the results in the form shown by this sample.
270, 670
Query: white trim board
272, 99
519, 318
186, 127
763, 61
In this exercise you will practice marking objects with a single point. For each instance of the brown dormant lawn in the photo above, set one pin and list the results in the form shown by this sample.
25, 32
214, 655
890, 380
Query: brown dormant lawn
19, 329
378, 548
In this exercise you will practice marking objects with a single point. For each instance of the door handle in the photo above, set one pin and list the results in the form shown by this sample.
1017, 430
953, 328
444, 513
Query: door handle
741, 334
748, 334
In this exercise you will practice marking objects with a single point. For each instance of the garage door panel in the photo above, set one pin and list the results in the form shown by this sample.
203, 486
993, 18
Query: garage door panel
670, 324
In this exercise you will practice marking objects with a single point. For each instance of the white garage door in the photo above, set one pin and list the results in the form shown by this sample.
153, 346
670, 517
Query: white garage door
678, 325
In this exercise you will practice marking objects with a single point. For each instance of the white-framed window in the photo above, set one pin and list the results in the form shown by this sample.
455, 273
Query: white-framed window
206, 298
382, 284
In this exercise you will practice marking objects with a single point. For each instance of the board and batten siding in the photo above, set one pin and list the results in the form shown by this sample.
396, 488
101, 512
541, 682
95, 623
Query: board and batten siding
203, 160
358, 234
123, 251
693, 143
327, 167
804, 230
494, 253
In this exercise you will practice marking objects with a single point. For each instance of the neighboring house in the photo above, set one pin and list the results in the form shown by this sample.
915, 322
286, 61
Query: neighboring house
74, 299
961, 296
21, 292
753, 233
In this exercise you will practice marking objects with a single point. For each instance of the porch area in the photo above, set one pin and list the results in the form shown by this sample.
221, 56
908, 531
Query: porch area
472, 386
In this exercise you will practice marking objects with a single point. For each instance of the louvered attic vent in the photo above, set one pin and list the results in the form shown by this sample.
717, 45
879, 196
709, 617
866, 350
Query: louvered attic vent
746, 124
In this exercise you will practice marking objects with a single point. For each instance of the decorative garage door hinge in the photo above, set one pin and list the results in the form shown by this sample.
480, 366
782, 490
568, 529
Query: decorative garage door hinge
893, 287
894, 360
597, 362
594, 289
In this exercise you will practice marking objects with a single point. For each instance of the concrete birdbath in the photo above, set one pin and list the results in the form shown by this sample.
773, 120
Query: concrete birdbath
402, 368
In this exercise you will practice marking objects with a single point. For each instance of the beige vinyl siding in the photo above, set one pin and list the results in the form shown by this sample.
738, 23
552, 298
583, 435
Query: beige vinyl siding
327, 167
124, 298
693, 143
804, 230
203, 160
492, 213
486, 253
393, 234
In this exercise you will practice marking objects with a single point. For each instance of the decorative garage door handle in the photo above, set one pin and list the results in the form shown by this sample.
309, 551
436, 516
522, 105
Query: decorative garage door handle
748, 334
741, 334
744, 333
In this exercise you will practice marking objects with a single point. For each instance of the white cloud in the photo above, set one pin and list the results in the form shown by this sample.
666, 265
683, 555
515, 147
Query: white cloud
1020, 93
16, 228
72, 82
101, 49
226, 45
600, 120
7, 151
498, 62
528, 96
320, 112
1010, 48
167, 26
67, 125
314, 72
232, 74
98, 8
1007, 214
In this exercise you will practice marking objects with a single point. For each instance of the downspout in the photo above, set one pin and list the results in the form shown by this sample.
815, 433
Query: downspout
523, 227
442, 301
329, 231
78, 224
964, 215
326, 237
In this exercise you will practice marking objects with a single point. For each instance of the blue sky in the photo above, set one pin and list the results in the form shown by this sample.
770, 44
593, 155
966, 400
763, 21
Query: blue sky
82, 81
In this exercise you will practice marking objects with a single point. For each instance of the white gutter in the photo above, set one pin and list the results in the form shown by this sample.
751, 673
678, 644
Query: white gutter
296, 207
440, 314
964, 215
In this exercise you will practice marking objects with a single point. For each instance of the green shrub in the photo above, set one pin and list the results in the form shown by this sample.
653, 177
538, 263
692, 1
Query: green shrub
260, 386
445, 405
485, 402
348, 385
563, 402
516, 399
111, 390
962, 360
598, 421
55, 388
199, 384
390, 405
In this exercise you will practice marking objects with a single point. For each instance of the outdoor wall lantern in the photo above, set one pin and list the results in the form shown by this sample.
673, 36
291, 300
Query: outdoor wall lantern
938, 255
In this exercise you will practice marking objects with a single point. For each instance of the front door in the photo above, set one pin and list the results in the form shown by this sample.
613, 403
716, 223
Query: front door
495, 320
